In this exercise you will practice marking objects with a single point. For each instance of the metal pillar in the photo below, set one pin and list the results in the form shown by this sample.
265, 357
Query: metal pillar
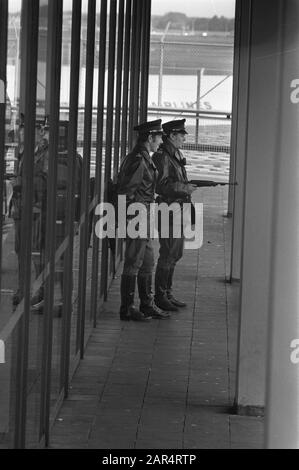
116, 249
85, 185
52, 108
238, 132
109, 137
29, 21
119, 66
199, 78
160, 83
135, 69
236, 84
3, 80
136, 94
127, 43
99, 158
70, 203
145, 58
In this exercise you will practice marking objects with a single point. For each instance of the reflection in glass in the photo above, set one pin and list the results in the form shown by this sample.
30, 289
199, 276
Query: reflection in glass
40, 182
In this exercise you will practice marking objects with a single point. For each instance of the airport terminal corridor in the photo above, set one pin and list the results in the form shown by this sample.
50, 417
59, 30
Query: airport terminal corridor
168, 384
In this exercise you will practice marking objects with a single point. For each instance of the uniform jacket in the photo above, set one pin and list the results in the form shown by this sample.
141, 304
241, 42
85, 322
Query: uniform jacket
172, 184
40, 171
41, 161
137, 176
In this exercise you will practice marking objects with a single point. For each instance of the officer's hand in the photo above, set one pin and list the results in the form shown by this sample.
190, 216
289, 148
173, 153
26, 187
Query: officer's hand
192, 188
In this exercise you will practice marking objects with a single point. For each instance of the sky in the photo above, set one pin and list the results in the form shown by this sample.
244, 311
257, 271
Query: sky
189, 7
205, 8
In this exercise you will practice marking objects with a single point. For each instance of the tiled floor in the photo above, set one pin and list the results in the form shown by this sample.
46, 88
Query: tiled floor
207, 165
167, 384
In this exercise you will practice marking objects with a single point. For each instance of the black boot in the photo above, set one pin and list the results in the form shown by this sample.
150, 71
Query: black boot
147, 304
170, 296
161, 300
127, 309
17, 297
37, 301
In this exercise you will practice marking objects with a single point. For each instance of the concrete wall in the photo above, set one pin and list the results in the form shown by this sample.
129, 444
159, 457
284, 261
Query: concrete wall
283, 355
258, 128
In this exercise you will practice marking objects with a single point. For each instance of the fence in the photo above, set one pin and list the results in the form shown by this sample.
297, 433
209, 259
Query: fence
186, 70
194, 80
208, 131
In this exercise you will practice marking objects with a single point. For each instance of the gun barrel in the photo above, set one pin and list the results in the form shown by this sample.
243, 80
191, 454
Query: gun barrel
205, 183
202, 183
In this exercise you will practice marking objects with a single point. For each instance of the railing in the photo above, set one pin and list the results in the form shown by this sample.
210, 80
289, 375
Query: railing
207, 130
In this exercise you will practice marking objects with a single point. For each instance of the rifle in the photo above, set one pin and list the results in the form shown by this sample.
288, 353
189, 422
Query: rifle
204, 183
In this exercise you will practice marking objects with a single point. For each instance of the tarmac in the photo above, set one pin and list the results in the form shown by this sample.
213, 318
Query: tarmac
167, 384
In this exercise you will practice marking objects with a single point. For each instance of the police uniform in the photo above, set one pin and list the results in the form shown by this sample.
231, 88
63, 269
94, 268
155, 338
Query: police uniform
172, 187
137, 180
39, 213
15, 213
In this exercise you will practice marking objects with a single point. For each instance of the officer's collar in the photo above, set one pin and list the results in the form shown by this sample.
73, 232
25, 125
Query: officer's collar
169, 147
140, 148
145, 153
173, 151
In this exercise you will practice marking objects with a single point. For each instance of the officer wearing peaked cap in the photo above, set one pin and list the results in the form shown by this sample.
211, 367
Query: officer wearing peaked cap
151, 127
172, 186
137, 180
177, 126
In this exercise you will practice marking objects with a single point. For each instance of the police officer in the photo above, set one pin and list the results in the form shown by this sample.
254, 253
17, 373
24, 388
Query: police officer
137, 180
15, 212
172, 186
39, 207
40, 176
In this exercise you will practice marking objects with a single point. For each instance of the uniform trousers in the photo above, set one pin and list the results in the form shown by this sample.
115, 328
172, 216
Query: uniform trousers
139, 257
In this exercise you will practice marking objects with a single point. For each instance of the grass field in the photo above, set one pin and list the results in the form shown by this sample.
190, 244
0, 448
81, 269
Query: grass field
186, 54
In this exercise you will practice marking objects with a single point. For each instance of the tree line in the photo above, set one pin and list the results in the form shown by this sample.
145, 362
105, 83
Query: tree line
177, 21
182, 21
